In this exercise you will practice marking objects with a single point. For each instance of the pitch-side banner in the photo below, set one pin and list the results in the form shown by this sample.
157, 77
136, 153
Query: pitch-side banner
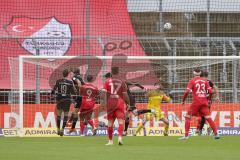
149, 131
43, 116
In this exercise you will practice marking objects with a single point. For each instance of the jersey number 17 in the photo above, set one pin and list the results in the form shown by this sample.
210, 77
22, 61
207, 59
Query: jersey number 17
114, 90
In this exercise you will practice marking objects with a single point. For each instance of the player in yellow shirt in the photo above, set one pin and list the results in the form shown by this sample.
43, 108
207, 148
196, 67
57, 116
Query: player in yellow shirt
155, 98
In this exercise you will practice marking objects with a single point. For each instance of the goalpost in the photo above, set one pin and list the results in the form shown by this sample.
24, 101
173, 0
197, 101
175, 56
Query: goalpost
171, 72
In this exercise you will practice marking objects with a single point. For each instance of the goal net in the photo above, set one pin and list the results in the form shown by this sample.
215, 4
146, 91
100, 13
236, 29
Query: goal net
32, 78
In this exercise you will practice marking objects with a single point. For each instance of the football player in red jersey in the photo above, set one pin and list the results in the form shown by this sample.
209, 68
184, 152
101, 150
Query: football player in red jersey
89, 92
131, 108
215, 97
199, 87
114, 96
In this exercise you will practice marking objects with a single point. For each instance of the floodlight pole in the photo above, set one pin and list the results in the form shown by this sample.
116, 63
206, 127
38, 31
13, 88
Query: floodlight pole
224, 72
208, 35
87, 14
160, 17
104, 66
234, 75
37, 99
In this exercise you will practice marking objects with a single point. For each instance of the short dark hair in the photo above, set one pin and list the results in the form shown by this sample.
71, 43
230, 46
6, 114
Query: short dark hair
76, 71
65, 72
108, 75
204, 74
89, 78
197, 70
115, 70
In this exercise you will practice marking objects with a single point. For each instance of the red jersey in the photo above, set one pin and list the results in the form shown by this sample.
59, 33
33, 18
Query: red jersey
88, 93
115, 89
199, 87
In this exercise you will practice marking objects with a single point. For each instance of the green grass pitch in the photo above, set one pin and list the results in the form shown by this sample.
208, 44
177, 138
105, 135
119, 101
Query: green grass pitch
134, 148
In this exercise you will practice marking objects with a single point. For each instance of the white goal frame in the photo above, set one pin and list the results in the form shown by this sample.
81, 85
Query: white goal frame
21, 59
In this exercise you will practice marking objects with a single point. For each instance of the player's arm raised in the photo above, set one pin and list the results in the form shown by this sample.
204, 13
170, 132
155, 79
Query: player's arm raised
129, 83
139, 85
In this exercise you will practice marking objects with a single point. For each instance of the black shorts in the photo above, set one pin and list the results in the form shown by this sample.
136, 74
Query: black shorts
78, 102
64, 105
132, 100
132, 103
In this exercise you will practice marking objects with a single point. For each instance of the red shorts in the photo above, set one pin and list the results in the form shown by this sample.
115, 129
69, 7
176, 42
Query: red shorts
115, 109
86, 113
87, 104
117, 113
198, 110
